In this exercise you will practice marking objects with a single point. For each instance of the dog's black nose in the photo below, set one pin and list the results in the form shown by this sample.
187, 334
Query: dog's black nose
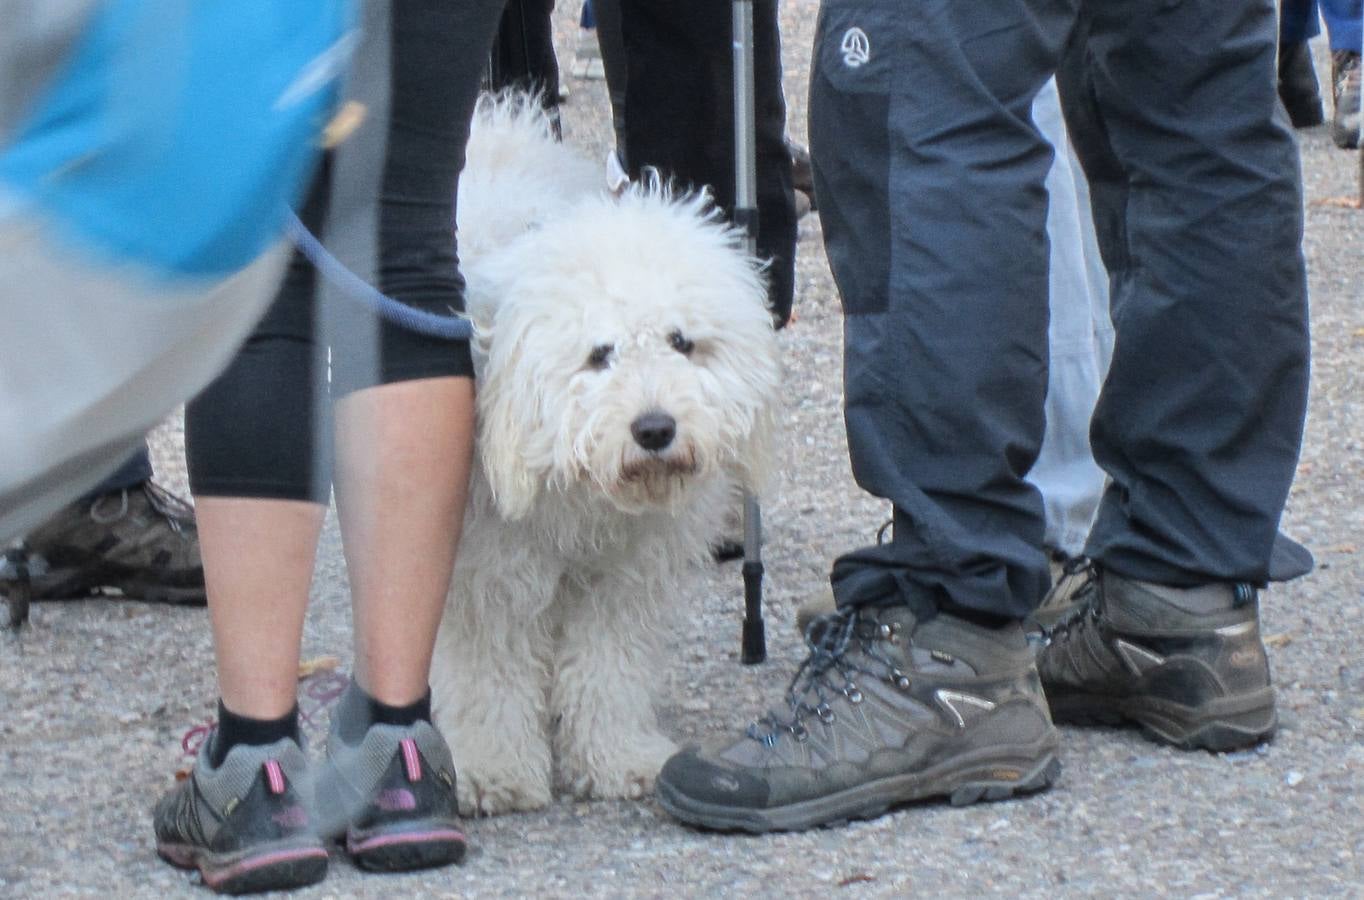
654, 430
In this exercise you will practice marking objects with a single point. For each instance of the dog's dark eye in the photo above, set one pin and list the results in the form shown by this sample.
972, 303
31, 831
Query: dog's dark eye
680, 343
600, 356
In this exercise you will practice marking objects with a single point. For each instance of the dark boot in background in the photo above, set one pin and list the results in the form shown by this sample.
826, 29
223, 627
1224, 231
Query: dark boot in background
1298, 88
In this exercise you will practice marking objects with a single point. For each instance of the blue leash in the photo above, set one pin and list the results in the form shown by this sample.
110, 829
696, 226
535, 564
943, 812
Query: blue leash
452, 328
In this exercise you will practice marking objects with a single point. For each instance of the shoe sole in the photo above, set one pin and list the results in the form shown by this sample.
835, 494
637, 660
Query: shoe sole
961, 781
414, 845
268, 867
1229, 723
69, 585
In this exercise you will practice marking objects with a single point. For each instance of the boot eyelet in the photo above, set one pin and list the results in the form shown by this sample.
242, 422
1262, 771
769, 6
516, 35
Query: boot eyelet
800, 733
900, 679
853, 694
826, 715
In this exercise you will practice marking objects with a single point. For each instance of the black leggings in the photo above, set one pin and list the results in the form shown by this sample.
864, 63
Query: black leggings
679, 112
386, 199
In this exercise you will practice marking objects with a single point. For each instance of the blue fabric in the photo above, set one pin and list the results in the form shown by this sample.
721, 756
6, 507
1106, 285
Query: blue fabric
1344, 23
179, 130
136, 470
1298, 21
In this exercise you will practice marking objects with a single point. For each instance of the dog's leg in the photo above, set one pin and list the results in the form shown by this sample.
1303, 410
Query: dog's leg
608, 742
489, 681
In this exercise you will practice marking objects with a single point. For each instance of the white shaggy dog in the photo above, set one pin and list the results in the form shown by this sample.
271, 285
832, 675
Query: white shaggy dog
627, 385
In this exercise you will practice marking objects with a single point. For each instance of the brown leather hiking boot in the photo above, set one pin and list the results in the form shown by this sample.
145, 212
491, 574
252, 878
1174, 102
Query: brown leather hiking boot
1186, 664
886, 710
141, 541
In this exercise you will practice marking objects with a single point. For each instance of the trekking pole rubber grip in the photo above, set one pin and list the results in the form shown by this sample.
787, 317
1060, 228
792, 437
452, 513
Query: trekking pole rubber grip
754, 641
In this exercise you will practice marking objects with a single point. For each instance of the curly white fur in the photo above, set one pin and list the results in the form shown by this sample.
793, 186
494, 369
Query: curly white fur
576, 536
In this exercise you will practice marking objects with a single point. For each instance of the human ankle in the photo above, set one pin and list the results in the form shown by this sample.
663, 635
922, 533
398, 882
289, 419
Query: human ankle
358, 710
234, 729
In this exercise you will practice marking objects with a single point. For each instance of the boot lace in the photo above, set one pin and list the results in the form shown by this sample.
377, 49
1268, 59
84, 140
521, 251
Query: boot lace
1086, 599
829, 672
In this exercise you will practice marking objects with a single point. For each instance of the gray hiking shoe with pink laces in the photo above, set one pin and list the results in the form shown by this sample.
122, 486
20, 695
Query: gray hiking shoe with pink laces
244, 825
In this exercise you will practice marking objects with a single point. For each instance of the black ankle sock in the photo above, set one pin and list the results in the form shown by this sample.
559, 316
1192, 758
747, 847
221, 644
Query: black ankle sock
358, 710
234, 729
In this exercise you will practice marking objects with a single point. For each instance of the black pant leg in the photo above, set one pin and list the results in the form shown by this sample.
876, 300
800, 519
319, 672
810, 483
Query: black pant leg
679, 114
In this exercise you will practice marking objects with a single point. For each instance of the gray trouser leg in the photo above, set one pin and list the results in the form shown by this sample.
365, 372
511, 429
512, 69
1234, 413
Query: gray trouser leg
930, 177
929, 173
1197, 199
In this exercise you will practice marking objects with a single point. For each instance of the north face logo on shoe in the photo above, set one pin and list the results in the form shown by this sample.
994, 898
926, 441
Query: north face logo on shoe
396, 800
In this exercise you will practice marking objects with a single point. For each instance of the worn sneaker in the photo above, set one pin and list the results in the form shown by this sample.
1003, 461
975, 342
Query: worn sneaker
1186, 664
244, 825
141, 541
885, 710
1345, 79
391, 797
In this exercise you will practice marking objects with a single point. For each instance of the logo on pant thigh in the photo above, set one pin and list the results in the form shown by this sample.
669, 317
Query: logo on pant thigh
856, 48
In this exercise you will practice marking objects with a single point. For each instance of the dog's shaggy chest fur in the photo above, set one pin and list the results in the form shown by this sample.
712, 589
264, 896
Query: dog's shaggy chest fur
627, 379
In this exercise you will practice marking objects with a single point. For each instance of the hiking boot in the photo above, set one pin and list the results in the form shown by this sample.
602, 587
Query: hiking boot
141, 541
391, 796
1072, 577
885, 710
1186, 664
1298, 88
1345, 79
243, 825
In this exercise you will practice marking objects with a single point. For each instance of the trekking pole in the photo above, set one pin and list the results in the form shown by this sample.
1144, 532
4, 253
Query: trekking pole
745, 217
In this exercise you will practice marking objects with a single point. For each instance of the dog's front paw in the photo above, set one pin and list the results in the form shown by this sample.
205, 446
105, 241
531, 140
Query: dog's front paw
485, 791
623, 771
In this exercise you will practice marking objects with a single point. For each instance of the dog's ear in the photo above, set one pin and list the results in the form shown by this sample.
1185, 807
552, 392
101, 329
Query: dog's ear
507, 414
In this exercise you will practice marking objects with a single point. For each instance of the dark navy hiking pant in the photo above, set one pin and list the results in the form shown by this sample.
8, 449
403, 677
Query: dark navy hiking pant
929, 174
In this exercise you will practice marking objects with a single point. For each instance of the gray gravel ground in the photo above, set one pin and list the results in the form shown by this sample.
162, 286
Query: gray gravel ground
96, 696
